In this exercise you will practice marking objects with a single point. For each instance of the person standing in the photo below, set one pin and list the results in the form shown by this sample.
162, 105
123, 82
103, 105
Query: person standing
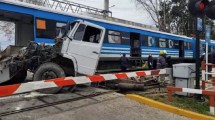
161, 61
150, 61
169, 61
124, 63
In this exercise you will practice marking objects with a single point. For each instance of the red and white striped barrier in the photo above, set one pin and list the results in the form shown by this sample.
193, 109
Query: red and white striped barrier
205, 74
209, 93
69, 81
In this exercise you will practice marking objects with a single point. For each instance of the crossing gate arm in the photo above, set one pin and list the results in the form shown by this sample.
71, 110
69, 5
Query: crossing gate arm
69, 81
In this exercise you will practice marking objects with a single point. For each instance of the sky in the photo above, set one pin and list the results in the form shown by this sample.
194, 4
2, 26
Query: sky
123, 9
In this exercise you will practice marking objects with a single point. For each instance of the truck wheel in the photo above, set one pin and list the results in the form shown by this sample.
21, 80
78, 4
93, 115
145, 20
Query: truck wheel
49, 71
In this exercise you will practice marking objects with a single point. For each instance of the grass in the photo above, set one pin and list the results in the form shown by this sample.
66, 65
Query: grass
188, 103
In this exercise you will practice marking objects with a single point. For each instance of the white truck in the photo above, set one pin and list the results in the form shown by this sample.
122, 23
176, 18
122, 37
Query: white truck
76, 51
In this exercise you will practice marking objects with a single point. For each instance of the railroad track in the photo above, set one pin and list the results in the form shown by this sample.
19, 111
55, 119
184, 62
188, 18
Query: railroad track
80, 95
43, 101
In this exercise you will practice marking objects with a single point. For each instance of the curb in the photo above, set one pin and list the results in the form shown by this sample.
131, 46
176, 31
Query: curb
169, 108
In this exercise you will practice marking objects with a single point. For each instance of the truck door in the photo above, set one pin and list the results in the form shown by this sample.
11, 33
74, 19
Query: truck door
85, 45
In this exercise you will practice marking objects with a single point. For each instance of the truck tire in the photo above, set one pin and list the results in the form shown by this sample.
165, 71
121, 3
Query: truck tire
49, 71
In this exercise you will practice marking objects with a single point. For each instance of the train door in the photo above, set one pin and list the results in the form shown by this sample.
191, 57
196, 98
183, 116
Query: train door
135, 45
181, 49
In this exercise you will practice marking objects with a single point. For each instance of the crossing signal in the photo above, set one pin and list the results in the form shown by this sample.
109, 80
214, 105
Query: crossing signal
210, 10
199, 8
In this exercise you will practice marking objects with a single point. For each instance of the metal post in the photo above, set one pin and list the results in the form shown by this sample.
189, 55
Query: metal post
206, 55
106, 7
198, 31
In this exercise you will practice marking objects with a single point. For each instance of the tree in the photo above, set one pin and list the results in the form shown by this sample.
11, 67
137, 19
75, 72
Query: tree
158, 11
8, 29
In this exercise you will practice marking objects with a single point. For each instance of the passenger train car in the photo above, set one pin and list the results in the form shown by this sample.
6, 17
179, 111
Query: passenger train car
42, 24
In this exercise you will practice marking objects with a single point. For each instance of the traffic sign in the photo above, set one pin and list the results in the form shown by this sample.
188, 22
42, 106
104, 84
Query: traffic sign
199, 24
207, 33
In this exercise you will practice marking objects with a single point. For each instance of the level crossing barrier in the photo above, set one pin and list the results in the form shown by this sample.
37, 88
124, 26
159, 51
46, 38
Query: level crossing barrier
209, 93
70, 81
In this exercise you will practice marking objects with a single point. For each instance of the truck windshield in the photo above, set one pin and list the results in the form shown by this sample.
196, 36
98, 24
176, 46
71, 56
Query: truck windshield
65, 29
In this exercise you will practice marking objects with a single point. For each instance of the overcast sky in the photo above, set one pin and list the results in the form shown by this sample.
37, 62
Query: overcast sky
124, 9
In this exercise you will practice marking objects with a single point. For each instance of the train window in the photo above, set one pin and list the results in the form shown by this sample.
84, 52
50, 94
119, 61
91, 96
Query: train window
176, 44
59, 31
187, 45
190, 46
45, 28
145, 40
125, 38
170, 44
162, 43
114, 37
152, 41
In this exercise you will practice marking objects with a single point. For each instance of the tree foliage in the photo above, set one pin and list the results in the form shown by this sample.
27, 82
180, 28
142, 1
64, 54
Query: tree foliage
171, 16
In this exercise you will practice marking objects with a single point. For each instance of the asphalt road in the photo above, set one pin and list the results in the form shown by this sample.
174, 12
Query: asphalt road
84, 104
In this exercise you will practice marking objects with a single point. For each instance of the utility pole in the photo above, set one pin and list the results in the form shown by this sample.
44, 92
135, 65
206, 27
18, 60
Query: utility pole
165, 15
106, 8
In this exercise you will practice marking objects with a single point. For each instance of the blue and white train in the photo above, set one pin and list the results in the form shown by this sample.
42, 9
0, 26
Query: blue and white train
40, 23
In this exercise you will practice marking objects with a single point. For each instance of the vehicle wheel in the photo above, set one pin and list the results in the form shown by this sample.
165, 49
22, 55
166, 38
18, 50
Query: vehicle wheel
49, 71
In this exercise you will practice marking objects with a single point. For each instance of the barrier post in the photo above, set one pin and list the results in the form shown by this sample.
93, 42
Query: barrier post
203, 85
213, 75
170, 95
203, 66
212, 104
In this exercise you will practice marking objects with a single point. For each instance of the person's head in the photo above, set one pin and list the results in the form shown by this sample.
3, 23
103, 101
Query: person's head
161, 52
150, 54
124, 55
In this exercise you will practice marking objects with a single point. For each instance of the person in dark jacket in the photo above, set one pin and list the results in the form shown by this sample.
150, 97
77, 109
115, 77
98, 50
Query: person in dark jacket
161, 62
124, 62
150, 61
169, 61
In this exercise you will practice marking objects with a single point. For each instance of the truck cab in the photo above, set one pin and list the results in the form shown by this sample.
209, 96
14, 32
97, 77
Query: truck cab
82, 42
76, 51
